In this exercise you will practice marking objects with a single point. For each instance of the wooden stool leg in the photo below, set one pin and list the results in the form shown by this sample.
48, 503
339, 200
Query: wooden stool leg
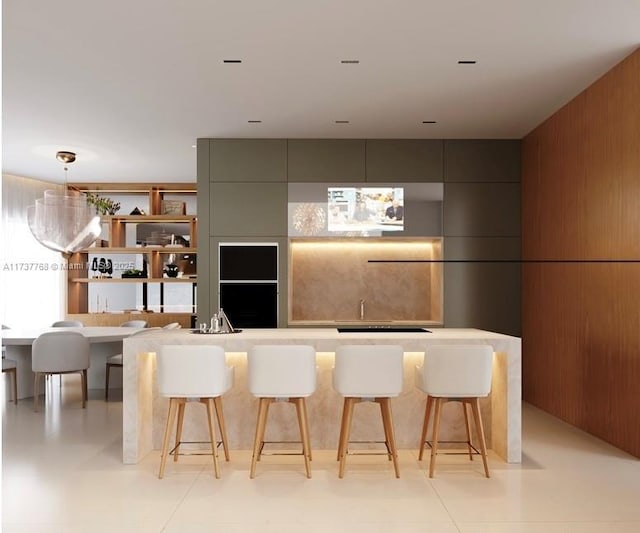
385, 426
475, 405
341, 438
106, 383
167, 433
388, 419
467, 425
212, 434
181, 405
306, 418
436, 427
350, 402
36, 379
425, 425
217, 401
257, 442
304, 433
266, 418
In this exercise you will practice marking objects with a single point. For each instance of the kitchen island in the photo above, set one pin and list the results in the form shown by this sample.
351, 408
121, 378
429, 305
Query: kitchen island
144, 411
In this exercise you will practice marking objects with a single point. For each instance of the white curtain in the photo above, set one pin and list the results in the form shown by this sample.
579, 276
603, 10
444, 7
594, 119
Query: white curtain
33, 280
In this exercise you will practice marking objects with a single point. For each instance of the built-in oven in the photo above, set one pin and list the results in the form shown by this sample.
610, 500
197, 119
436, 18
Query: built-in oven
248, 283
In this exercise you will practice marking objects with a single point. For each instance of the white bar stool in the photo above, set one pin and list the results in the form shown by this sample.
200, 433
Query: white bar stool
193, 373
455, 373
281, 373
368, 373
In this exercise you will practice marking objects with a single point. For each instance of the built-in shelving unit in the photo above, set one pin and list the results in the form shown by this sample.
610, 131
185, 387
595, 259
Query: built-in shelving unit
135, 280
119, 242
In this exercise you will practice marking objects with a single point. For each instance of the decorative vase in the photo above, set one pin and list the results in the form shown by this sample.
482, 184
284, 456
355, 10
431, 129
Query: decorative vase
171, 270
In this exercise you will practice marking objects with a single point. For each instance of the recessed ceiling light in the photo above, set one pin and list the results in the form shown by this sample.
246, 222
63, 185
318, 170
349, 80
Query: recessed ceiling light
350, 61
467, 62
232, 60
254, 121
342, 122
429, 122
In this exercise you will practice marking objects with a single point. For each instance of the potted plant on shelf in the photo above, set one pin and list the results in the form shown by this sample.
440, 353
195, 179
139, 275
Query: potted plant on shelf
104, 206
133, 273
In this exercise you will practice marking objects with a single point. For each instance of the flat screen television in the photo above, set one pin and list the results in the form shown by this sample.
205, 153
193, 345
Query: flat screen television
365, 209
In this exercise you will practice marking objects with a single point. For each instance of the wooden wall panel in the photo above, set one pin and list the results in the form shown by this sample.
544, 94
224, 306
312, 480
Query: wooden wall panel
581, 209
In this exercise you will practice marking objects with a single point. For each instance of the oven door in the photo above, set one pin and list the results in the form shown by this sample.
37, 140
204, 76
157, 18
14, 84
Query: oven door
250, 305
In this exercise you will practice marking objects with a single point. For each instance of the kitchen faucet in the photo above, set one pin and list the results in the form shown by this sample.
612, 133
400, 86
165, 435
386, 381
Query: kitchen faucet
361, 309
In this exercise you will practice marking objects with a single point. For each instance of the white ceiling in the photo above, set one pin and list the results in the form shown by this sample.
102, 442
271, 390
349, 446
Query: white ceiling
130, 85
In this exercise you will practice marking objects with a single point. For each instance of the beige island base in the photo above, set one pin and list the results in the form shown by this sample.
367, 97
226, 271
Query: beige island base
144, 411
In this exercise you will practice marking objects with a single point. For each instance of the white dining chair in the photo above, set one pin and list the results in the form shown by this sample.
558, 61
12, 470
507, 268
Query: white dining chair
10, 367
67, 324
134, 324
63, 352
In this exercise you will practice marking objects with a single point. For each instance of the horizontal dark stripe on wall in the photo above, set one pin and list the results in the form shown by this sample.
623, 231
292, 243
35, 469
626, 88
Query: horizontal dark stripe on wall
522, 261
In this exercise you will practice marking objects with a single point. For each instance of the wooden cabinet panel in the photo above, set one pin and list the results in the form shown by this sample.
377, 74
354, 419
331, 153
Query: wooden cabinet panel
581, 349
398, 160
330, 160
581, 346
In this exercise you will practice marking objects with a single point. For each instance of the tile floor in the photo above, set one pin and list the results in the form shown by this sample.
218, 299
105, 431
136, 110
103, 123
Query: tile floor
62, 472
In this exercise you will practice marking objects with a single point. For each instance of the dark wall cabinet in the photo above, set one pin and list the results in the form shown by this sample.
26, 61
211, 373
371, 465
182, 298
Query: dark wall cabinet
249, 209
397, 160
330, 160
486, 160
248, 160
482, 209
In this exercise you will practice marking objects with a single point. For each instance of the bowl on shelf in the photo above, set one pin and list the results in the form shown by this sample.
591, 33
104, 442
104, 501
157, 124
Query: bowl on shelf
133, 273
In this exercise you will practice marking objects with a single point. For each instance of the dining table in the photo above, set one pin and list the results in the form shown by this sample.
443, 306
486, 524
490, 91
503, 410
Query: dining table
104, 342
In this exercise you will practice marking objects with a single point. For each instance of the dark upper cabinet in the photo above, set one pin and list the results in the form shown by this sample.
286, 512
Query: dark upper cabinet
326, 160
483, 160
248, 160
404, 160
481, 209
248, 209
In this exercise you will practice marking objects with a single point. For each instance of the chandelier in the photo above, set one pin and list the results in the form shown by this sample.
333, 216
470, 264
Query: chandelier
63, 221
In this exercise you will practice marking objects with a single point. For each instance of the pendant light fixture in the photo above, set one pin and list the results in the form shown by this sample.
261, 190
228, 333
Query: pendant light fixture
63, 221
